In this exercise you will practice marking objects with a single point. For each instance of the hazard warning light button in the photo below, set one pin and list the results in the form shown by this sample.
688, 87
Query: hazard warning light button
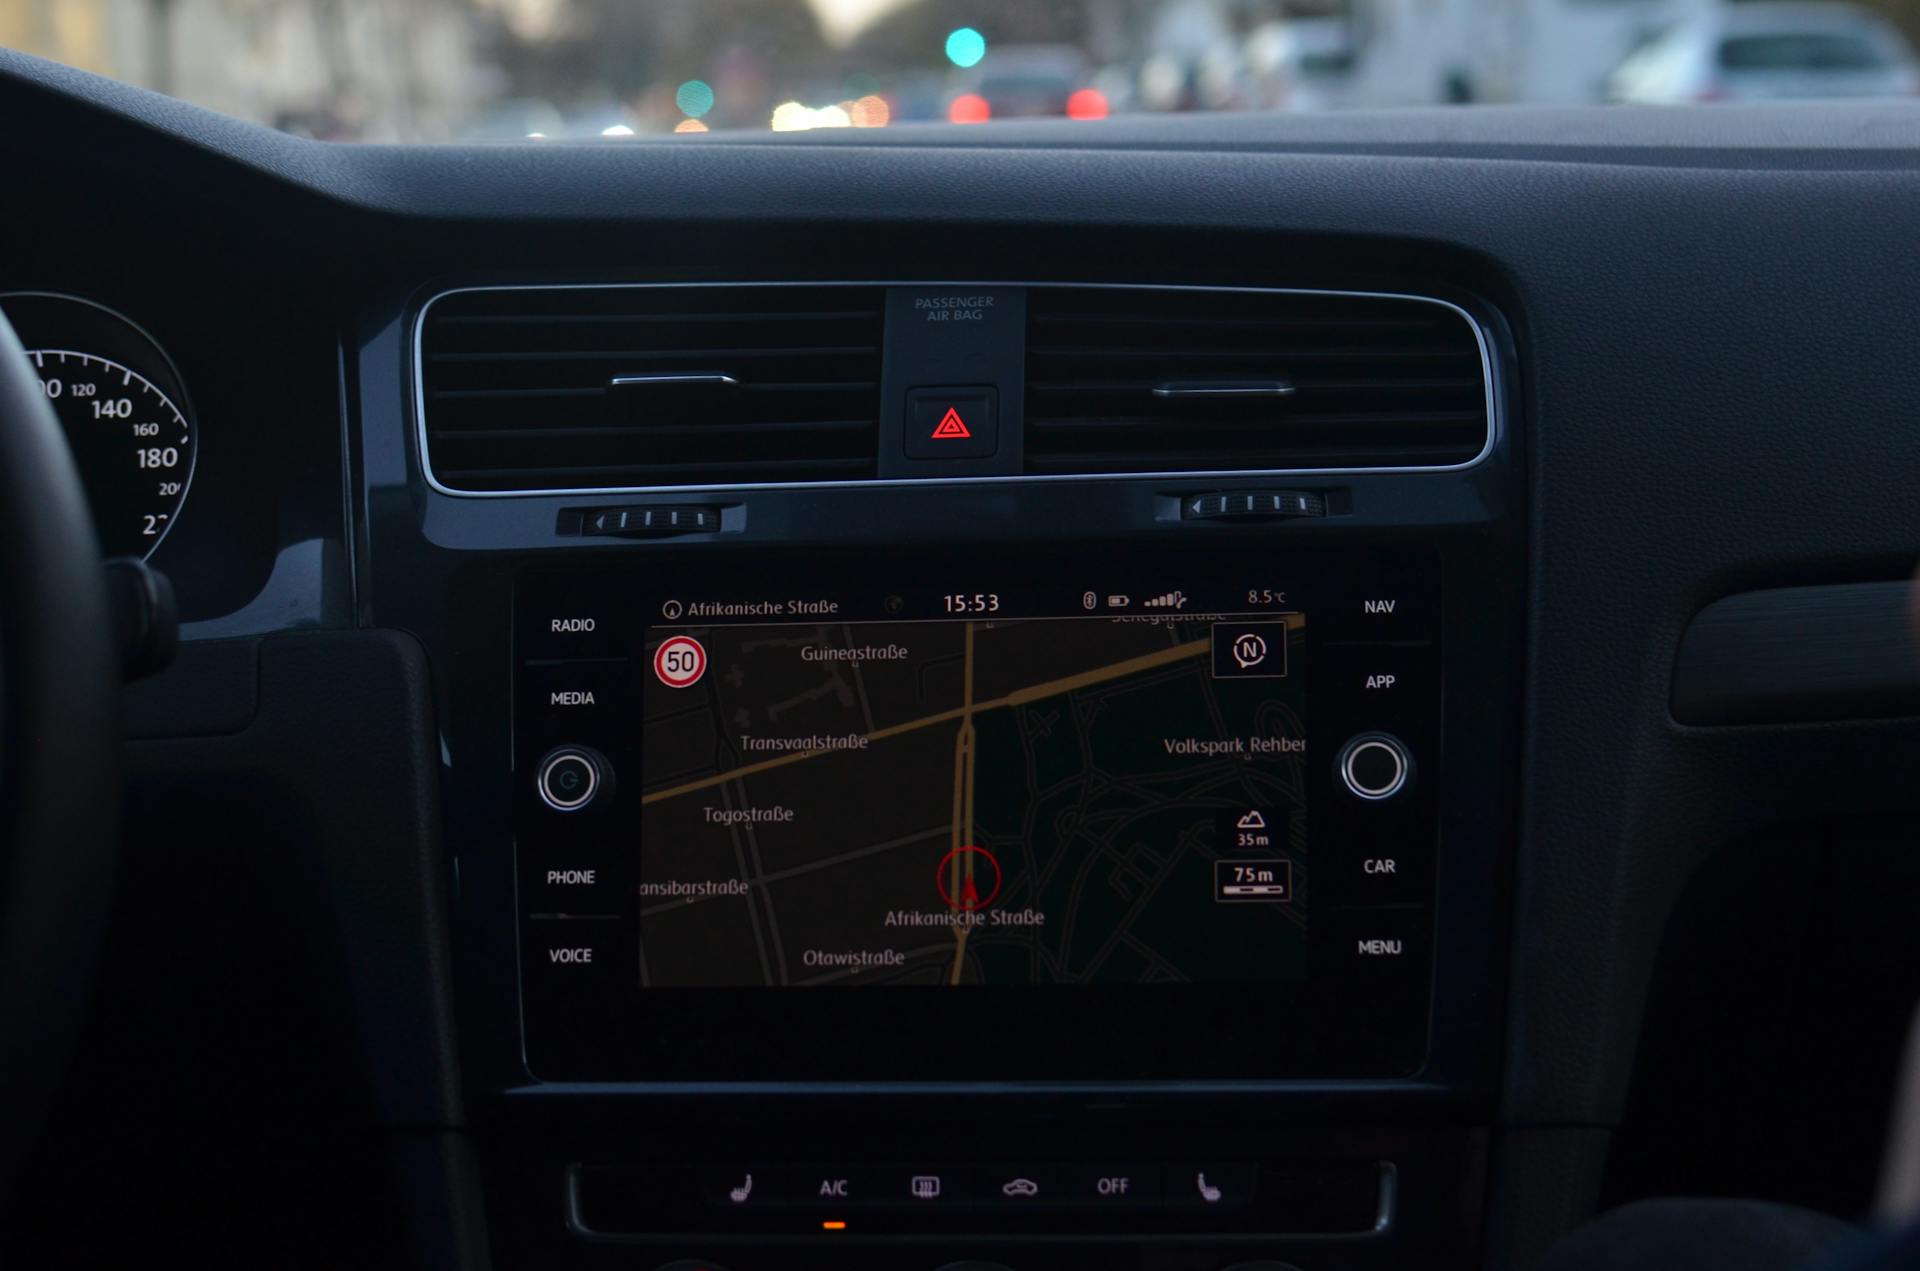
952, 423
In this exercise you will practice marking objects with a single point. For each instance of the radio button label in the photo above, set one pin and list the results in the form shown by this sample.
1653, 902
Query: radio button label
567, 631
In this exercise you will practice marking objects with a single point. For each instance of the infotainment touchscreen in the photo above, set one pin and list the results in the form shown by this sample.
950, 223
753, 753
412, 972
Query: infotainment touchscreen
1068, 813
1056, 785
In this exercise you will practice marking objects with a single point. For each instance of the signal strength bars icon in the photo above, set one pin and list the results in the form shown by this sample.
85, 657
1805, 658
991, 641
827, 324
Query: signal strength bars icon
1170, 600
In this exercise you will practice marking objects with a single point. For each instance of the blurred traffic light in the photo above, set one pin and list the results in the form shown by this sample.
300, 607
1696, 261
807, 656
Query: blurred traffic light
969, 108
966, 46
1087, 103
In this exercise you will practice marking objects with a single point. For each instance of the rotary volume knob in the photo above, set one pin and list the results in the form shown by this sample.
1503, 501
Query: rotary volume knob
571, 778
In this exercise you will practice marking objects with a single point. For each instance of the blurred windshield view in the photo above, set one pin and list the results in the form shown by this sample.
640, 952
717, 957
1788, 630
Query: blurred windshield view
513, 70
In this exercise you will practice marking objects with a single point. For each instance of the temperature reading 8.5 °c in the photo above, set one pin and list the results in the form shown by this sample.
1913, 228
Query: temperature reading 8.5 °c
132, 444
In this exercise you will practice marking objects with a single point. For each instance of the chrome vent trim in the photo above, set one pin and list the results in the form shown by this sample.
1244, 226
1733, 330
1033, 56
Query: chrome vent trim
1495, 416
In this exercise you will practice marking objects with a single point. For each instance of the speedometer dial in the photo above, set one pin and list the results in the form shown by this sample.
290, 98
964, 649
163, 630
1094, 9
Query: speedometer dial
133, 445
123, 409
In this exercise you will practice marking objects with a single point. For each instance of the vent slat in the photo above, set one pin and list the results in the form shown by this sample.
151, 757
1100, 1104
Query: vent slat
1209, 461
500, 394
636, 355
1144, 387
516, 395
1278, 422
1264, 358
1379, 381
601, 319
1175, 322
654, 473
659, 432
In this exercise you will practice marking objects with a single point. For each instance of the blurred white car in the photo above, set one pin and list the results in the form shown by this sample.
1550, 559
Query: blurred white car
1765, 49
1301, 64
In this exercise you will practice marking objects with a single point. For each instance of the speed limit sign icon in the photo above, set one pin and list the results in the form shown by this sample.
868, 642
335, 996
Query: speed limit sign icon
680, 662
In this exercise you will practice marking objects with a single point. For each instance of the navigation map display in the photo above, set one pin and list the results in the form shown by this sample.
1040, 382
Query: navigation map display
1044, 786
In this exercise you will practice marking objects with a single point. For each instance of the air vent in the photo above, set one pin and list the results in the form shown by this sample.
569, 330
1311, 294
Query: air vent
619, 387
1124, 380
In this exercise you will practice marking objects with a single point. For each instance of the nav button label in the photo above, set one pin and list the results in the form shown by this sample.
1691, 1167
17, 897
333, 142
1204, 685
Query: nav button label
1391, 612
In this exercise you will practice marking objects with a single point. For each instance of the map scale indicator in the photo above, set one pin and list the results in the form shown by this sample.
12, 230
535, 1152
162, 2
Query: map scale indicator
1243, 881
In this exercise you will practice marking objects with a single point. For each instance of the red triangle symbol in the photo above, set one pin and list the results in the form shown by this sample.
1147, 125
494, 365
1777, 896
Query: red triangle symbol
951, 425
969, 896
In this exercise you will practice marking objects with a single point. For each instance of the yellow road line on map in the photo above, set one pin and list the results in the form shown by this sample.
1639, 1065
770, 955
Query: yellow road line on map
1019, 697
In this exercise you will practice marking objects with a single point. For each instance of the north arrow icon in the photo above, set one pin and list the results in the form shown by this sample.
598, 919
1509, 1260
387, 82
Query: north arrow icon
951, 426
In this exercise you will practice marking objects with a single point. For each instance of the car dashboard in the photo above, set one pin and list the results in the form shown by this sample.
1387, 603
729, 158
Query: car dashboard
1153, 698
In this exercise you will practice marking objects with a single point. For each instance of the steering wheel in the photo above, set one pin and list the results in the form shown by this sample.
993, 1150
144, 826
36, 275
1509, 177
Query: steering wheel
60, 725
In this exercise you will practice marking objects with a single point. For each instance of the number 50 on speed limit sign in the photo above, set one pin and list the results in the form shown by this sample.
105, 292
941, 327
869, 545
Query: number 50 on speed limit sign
680, 662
